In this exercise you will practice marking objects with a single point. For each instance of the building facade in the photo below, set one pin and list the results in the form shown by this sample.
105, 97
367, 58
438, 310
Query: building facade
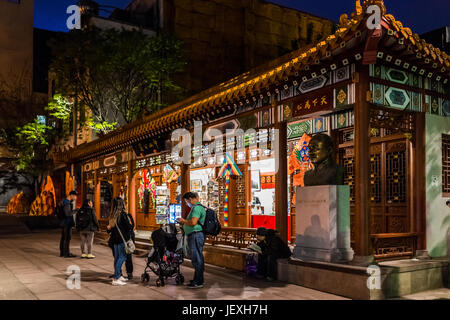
382, 95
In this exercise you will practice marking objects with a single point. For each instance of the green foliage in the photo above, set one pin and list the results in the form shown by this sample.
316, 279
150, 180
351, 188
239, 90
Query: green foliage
118, 75
60, 107
103, 127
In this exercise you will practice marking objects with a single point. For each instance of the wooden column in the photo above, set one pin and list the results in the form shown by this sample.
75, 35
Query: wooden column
130, 189
419, 176
97, 194
281, 191
185, 187
362, 165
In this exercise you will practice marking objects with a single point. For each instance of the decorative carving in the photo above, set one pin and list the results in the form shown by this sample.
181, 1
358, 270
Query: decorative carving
394, 120
393, 246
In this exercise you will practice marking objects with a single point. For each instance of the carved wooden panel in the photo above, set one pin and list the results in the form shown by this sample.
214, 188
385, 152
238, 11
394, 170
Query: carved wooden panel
396, 177
446, 164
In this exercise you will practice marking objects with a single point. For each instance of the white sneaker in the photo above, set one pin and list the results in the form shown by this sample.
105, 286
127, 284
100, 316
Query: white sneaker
118, 282
123, 279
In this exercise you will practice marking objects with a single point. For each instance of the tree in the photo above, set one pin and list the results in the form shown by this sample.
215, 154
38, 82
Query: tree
32, 143
118, 75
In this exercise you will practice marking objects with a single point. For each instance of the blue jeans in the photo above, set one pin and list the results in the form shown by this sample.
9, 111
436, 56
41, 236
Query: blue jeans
120, 257
196, 242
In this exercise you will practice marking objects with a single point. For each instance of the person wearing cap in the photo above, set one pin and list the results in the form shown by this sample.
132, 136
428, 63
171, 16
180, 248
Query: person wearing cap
67, 223
272, 249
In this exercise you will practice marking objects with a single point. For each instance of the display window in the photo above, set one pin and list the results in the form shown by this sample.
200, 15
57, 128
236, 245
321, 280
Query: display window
204, 182
157, 196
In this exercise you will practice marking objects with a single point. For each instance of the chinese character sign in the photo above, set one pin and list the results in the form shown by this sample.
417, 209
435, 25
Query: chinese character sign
309, 104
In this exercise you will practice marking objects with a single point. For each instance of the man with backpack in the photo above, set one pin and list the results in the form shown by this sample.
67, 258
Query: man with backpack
193, 229
65, 211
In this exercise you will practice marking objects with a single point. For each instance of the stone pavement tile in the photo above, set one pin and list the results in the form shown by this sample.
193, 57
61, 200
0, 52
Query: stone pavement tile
437, 294
45, 287
59, 295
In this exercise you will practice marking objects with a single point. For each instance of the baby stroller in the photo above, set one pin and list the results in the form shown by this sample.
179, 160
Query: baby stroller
166, 256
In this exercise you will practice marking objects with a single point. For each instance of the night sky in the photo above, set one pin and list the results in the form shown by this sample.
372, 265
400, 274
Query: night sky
420, 15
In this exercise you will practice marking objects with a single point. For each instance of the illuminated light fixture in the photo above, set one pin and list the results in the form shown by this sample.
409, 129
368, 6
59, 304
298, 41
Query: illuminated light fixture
427, 60
313, 75
406, 65
443, 69
343, 44
401, 40
414, 69
430, 74
333, 67
389, 58
286, 87
435, 65
398, 62
345, 62
304, 79
323, 71
295, 83
358, 56
438, 78
328, 54
422, 72
390, 32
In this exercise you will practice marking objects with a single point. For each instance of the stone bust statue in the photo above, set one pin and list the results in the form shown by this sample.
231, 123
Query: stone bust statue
326, 171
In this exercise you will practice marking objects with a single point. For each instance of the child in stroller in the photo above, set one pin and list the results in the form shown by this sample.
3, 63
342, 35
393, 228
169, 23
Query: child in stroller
166, 256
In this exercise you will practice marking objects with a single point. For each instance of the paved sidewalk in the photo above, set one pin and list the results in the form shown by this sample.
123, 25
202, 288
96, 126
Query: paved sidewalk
30, 268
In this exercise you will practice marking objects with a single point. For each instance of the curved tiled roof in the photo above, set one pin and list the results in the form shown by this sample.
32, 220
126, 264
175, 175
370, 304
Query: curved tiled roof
252, 82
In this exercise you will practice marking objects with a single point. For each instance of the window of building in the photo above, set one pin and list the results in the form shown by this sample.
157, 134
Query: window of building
446, 165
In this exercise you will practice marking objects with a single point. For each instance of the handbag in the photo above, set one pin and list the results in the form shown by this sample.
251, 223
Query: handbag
129, 245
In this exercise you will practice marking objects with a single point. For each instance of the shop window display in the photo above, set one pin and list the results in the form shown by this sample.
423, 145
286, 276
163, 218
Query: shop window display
263, 193
204, 182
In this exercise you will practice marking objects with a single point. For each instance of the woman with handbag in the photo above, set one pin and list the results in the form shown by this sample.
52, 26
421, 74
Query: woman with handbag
120, 229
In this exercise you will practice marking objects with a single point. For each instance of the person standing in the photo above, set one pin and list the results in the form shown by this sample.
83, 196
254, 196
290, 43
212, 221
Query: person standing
192, 226
119, 226
67, 209
272, 249
87, 224
129, 261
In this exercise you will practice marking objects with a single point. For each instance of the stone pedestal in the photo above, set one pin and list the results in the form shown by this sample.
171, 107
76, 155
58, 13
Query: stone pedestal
322, 224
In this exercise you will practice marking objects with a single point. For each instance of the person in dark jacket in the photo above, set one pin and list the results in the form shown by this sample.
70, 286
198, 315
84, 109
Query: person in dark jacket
119, 226
272, 249
87, 224
66, 224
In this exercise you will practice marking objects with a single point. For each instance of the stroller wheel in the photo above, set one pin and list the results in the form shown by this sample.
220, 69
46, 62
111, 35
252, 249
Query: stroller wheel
145, 278
160, 283
179, 279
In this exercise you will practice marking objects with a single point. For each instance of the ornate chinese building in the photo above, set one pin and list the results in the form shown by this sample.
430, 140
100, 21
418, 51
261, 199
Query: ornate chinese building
381, 94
